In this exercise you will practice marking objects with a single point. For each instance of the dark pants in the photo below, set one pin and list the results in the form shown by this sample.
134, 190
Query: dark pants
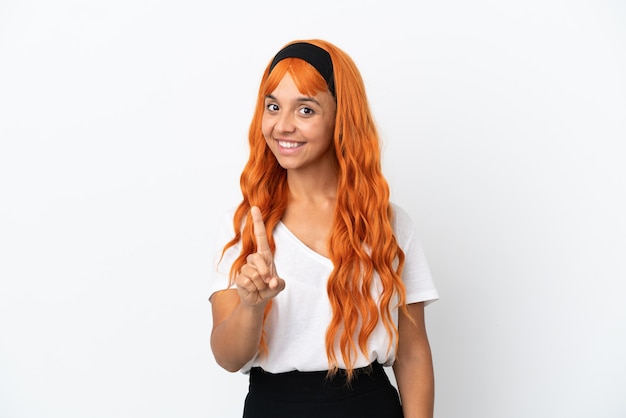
313, 395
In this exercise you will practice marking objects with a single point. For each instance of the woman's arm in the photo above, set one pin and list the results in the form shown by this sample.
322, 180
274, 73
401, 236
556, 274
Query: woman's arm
238, 314
236, 330
413, 367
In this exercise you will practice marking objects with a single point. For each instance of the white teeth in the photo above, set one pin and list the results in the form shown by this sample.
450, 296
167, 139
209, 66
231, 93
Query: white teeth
285, 144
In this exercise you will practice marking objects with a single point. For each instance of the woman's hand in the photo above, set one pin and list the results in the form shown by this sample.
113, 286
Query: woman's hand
257, 281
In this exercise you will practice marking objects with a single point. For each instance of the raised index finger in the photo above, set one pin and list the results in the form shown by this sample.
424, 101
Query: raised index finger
262, 246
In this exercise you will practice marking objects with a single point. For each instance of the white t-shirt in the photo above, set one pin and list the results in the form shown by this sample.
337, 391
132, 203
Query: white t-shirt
296, 325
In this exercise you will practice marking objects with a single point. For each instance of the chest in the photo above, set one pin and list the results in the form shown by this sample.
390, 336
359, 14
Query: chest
313, 236
312, 229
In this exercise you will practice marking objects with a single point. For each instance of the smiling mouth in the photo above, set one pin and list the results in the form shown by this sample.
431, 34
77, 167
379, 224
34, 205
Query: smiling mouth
289, 144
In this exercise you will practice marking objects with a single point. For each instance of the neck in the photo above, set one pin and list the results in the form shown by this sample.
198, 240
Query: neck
315, 188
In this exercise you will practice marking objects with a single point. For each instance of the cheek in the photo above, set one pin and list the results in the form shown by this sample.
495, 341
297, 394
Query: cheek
266, 128
330, 131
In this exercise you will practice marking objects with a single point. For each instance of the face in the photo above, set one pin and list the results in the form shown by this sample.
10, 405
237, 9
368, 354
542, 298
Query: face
299, 128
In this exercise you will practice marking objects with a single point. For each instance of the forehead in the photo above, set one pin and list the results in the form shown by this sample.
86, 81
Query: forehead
287, 90
286, 86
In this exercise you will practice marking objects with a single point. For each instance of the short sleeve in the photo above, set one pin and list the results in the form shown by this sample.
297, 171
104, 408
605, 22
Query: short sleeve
221, 263
416, 274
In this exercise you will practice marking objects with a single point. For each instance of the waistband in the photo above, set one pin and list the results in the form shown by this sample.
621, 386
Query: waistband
302, 386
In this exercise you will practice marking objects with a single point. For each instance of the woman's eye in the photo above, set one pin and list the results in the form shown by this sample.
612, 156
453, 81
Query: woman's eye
307, 111
272, 107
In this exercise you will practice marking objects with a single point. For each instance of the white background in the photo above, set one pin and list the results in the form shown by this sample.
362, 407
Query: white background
123, 132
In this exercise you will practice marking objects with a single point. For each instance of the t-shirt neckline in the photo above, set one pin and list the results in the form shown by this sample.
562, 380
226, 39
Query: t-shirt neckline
324, 260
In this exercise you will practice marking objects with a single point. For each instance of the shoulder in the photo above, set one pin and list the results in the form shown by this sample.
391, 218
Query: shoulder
224, 230
226, 216
229, 211
402, 224
399, 215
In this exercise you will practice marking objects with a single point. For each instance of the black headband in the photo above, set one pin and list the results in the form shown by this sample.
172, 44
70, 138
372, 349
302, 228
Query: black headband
314, 55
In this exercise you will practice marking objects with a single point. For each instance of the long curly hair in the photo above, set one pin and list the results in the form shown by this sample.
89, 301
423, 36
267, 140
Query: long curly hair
361, 241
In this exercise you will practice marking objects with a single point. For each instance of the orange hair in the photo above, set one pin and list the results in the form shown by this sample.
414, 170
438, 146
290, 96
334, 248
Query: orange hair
361, 240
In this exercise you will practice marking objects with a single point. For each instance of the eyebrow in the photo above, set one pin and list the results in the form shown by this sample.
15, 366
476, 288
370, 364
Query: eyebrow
303, 99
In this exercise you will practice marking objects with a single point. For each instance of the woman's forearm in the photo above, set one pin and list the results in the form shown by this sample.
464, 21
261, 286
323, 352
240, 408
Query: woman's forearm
416, 386
413, 367
235, 339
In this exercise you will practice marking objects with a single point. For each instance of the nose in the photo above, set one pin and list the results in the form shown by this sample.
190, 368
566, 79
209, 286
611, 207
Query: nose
285, 122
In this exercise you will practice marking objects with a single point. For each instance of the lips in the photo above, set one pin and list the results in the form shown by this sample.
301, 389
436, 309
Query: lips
289, 144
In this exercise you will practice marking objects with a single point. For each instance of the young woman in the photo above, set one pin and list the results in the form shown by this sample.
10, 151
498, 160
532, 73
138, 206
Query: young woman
322, 280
